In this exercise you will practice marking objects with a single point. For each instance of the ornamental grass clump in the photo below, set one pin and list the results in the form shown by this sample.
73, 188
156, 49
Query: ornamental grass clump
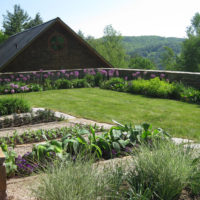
163, 171
75, 180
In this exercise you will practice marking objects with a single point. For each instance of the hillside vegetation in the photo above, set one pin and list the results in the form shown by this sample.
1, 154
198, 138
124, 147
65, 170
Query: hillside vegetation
151, 47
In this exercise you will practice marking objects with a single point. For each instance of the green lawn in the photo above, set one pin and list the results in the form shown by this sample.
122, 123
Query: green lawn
180, 119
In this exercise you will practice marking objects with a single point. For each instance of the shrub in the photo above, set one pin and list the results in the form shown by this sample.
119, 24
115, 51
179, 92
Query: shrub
98, 79
35, 87
63, 84
162, 172
80, 83
153, 88
48, 84
9, 105
90, 79
190, 95
117, 84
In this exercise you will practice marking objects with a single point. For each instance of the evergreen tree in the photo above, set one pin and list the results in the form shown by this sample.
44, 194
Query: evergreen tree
34, 22
18, 21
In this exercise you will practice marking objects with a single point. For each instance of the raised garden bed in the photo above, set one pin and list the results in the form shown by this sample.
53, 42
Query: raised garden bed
39, 116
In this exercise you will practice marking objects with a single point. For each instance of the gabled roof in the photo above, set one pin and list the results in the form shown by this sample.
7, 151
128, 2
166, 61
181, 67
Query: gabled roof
18, 42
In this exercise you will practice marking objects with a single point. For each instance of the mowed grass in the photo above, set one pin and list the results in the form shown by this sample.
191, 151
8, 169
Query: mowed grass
178, 118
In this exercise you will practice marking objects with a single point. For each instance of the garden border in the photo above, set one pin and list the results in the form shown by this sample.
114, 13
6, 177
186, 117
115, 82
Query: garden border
187, 78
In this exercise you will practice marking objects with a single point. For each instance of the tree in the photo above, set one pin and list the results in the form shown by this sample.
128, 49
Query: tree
81, 34
18, 21
194, 28
3, 37
168, 59
110, 47
190, 53
139, 62
34, 22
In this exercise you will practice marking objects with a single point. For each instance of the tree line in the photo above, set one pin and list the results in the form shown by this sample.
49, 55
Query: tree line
113, 48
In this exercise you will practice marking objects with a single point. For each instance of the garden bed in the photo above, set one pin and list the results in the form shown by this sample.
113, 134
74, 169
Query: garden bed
34, 117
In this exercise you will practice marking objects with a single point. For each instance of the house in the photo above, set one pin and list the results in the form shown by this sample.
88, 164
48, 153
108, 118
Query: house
50, 46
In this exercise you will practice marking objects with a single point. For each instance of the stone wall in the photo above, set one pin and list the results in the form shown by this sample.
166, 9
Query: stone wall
187, 78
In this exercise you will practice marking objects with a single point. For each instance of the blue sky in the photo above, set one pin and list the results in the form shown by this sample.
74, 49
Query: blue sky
167, 18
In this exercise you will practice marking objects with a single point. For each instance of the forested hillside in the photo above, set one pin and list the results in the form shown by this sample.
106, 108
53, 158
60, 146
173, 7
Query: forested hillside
151, 47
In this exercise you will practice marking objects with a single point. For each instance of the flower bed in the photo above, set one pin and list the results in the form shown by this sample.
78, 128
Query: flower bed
155, 86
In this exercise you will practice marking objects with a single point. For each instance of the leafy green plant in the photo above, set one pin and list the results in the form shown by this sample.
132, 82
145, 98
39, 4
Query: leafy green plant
10, 165
63, 84
35, 87
90, 79
43, 151
80, 83
48, 84
117, 84
98, 79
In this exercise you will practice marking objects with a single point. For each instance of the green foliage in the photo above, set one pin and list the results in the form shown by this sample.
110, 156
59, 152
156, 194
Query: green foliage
3, 37
117, 84
48, 84
151, 47
190, 95
79, 180
110, 47
80, 83
63, 84
10, 105
153, 88
43, 151
139, 62
190, 55
162, 171
90, 79
10, 165
18, 21
98, 79
168, 59
35, 87
34, 22
194, 28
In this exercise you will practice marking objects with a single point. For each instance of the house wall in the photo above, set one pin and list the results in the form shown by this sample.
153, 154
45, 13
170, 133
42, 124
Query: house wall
41, 55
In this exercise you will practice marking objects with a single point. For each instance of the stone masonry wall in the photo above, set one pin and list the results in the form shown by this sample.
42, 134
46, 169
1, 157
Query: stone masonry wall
187, 78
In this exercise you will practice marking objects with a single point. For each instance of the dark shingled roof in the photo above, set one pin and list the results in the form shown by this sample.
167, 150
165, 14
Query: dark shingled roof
16, 43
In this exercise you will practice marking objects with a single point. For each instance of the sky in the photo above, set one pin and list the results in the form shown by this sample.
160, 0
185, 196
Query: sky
168, 18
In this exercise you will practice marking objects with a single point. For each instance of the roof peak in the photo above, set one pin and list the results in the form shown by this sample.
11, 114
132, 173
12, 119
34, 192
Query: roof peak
55, 19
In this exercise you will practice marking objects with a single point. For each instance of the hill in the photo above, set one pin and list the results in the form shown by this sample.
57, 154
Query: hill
151, 47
